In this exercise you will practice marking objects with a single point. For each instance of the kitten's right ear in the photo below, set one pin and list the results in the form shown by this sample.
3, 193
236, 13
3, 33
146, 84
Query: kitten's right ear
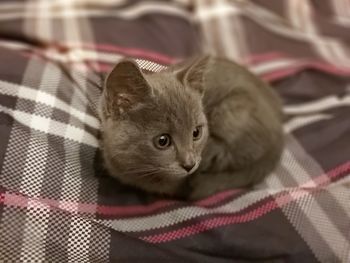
125, 89
192, 73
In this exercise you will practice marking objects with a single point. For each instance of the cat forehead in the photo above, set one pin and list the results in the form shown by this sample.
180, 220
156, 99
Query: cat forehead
170, 110
172, 95
170, 106
178, 108
180, 103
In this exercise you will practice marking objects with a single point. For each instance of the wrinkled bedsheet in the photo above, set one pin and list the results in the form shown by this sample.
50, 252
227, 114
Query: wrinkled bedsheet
57, 204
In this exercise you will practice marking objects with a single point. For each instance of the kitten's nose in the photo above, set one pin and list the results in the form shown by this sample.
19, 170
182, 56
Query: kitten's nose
188, 166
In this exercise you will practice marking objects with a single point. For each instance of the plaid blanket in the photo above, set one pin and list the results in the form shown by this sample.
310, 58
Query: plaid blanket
58, 205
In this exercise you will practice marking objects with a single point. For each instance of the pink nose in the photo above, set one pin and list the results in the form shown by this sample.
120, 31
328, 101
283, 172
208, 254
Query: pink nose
188, 166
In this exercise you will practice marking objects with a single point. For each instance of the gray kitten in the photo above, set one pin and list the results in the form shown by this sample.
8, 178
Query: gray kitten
191, 130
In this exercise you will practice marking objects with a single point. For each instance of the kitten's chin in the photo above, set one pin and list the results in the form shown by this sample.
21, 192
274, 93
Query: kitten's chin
163, 183
177, 176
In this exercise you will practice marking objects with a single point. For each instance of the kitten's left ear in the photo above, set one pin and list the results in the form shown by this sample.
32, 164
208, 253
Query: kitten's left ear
192, 74
125, 89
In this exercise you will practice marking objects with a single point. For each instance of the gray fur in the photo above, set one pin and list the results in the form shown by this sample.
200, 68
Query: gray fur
241, 116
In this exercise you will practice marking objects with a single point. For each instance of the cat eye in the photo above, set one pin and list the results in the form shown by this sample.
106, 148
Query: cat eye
197, 133
162, 141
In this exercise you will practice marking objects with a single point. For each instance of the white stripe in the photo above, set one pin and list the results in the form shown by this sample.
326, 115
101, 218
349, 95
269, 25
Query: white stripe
330, 48
301, 170
342, 12
148, 65
298, 122
231, 36
275, 24
35, 163
35, 230
47, 99
323, 226
341, 194
79, 55
66, 131
208, 46
37, 151
291, 9
272, 182
142, 223
271, 66
11, 44
79, 240
318, 105
71, 177
298, 171
342, 20
43, 24
341, 8
77, 31
228, 26
217, 10
71, 27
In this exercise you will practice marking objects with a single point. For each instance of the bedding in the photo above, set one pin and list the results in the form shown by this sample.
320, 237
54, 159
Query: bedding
57, 204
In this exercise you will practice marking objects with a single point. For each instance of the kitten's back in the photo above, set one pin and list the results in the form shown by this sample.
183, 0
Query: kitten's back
245, 125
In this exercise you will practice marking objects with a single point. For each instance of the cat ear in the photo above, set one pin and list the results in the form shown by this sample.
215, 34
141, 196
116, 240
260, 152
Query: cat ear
125, 88
192, 74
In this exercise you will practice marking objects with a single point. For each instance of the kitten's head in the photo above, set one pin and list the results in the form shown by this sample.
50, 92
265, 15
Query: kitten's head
154, 127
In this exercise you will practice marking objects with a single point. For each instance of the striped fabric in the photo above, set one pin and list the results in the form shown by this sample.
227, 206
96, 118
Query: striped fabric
57, 204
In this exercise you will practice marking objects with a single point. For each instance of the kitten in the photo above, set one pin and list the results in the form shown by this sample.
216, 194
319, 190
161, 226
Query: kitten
194, 129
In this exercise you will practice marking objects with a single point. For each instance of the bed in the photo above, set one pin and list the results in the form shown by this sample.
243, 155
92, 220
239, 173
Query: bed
57, 204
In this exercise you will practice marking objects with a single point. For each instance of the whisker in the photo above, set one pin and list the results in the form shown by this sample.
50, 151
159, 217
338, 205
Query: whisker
140, 172
150, 174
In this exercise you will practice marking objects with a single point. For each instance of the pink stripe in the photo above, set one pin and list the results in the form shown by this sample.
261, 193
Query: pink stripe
301, 64
325, 179
211, 223
22, 201
103, 67
132, 210
280, 201
277, 73
130, 52
220, 221
285, 72
255, 59
133, 52
262, 57
75, 207
90, 208
15, 200
19, 200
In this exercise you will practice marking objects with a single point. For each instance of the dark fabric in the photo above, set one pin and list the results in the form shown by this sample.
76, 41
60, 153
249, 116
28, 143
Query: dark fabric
57, 204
